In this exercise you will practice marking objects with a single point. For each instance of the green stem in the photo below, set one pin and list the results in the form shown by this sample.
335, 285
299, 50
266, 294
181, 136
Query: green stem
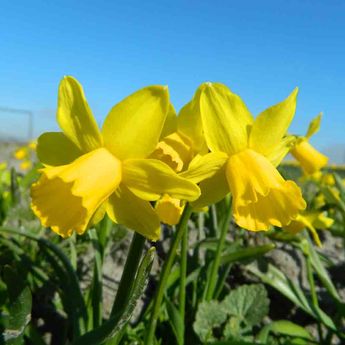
181, 227
128, 274
216, 263
183, 274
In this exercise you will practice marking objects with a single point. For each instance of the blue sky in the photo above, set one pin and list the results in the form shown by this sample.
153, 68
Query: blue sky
260, 49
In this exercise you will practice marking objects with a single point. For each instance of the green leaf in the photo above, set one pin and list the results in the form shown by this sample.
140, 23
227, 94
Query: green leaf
19, 308
209, 315
247, 253
283, 327
340, 184
248, 302
71, 293
115, 324
278, 280
321, 271
175, 321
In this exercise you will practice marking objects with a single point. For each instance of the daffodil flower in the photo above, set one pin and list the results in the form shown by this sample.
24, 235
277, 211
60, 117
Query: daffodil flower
311, 220
310, 159
243, 157
25, 165
89, 172
21, 153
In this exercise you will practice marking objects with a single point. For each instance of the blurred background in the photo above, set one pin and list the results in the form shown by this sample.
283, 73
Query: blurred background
261, 50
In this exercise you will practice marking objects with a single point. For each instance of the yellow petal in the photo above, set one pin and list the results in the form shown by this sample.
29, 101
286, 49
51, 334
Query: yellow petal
261, 197
310, 159
272, 124
314, 126
75, 117
54, 148
204, 167
149, 179
226, 119
212, 189
189, 123
319, 220
123, 207
169, 210
170, 124
133, 127
299, 224
98, 215
174, 150
66, 197
281, 150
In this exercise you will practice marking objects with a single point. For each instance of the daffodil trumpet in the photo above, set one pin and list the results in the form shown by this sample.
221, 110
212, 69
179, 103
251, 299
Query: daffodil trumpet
89, 172
311, 160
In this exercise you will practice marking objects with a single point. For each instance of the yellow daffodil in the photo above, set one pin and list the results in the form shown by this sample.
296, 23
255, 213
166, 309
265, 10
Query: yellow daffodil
21, 153
25, 165
89, 172
312, 221
32, 145
243, 157
310, 159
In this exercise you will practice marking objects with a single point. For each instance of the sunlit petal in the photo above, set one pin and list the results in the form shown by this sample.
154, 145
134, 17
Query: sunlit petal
226, 119
133, 127
149, 179
272, 124
75, 117
66, 197
54, 148
123, 207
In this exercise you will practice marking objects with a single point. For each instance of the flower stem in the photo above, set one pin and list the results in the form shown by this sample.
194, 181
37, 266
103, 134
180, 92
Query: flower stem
128, 274
181, 228
183, 274
216, 262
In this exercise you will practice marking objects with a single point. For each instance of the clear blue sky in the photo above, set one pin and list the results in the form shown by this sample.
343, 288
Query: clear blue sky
260, 49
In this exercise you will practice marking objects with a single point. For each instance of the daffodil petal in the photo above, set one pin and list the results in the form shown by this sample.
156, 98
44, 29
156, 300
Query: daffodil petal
54, 148
281, 150
123, 207
75, 117
226, 119
212, 189
272, 124
189, 123
133, 127
149, 179
170, 124
314, 126
66, 197
204, 167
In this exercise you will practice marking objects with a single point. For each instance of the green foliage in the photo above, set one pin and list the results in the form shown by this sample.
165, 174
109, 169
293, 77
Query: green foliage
18, 308
54, 291
248, 303
243, 307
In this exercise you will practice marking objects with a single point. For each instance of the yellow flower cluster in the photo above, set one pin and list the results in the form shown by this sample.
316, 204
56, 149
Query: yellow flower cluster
146, 162
24, 155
